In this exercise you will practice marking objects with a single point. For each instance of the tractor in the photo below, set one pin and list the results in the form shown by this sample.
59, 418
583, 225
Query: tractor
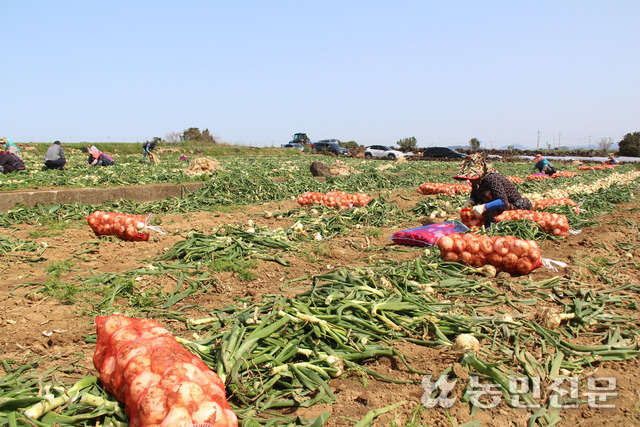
301, 138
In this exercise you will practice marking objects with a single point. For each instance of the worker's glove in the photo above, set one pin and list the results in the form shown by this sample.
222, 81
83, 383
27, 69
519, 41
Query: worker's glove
478, 210
467, 204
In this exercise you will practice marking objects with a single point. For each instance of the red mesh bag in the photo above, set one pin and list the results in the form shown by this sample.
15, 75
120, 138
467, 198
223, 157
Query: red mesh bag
442, 188
159, 381
551, 223
334, 199
123, 226
506, 253
538, 205
471, 220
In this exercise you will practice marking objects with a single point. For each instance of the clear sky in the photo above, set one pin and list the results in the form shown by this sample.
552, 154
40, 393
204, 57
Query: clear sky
255, 72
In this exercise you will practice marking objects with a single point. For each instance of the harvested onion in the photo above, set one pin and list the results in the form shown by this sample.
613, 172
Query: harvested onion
504, 253
441, 188
467, 342
334, 199
551, 223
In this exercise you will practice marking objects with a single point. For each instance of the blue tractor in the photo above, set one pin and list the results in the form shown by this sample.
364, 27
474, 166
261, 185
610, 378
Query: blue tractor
301, 138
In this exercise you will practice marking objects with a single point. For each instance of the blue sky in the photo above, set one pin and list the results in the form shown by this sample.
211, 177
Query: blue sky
255, 72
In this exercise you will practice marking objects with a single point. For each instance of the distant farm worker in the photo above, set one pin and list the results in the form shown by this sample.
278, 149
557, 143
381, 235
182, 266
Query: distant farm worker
98, 158
147, 150
611, 160
542, 165
9, 162
12, 148
491, 193
54, 157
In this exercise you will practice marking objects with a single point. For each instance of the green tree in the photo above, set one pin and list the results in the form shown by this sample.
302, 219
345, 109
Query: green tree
408, 144
474, 143
194, 134
630, 145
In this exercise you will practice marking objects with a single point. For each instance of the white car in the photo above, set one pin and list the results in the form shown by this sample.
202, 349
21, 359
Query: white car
383, 152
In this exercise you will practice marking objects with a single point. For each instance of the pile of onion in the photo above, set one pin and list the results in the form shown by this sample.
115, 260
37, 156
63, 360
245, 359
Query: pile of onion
334, 199
158, 380
506, 253
565, 174
515, 179
537, 176
471, 220
538, 205
441, 188
596, 168
123, 226
551, 223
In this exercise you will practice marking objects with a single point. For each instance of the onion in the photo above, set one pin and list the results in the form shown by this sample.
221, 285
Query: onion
445, 243
519, 247
467, 342
501, 246
495, 259
479, 259
467, 258
486, 245
509, 261
450, 256
550, 319
524, 266
459, 245
473, 246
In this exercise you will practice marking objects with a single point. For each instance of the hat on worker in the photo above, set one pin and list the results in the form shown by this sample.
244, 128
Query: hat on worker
474, 167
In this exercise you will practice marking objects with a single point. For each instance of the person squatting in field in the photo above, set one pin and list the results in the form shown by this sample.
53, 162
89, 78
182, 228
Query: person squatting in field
611, 160
98, 158
54, 157
491, 193
9, 162
542, 165
11, 147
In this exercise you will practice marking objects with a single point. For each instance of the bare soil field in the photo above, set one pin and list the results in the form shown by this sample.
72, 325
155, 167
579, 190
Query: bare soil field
54, 332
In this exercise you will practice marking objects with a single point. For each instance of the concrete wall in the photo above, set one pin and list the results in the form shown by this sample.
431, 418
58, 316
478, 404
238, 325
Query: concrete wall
95, 196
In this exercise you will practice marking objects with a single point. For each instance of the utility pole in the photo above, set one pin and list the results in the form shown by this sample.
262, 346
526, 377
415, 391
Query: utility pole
538, 142
559, 134
589, 141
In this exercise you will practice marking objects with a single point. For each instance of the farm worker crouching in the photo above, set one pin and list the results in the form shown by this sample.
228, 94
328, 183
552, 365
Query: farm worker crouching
147, 150
12, 148
611, 160
98, 158
9, 162
54, 157
491, 193
542, 165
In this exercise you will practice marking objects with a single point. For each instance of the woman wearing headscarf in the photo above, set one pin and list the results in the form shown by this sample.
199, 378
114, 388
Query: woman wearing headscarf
9, 162
98, 158
11, 147
491, 193
542, 165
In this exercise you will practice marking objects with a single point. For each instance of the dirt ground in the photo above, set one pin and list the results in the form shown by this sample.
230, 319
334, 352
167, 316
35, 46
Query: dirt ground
46, 328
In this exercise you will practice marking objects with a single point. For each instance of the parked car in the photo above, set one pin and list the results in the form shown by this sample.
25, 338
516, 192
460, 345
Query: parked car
335, 141
383, 151
331, 147
443, 152
293, 145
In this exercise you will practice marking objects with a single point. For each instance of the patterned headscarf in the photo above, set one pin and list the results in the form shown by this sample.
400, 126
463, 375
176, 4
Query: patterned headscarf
95, 153
474, 167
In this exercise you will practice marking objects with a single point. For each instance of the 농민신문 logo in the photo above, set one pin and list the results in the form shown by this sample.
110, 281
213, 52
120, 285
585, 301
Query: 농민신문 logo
523, 392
